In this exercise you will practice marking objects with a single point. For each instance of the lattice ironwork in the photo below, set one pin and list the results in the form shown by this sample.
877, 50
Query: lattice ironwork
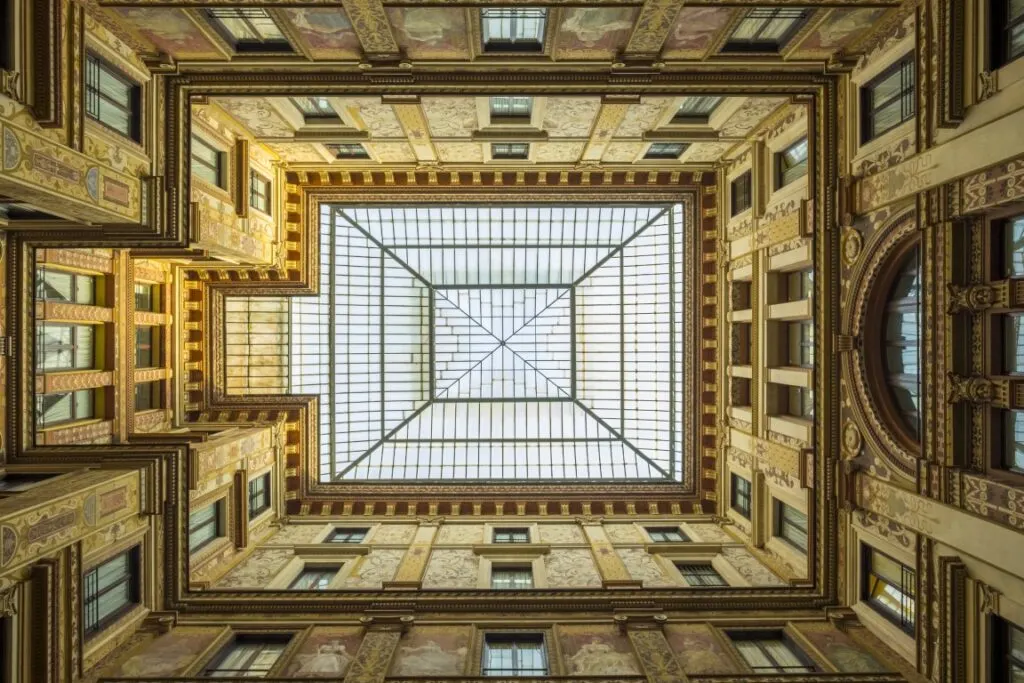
537, 342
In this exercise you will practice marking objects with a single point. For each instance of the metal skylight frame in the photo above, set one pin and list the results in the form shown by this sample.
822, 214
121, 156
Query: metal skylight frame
609, 293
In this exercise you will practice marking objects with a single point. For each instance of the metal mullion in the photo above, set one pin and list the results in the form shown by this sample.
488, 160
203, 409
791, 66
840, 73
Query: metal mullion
671, 345
618, 249
380, 337
332, 387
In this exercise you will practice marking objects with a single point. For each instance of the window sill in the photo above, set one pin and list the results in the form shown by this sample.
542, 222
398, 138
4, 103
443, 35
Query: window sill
791, 310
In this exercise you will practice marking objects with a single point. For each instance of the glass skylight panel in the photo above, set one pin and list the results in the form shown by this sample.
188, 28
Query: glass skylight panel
697, 107
511, 107
496, 342
508, 28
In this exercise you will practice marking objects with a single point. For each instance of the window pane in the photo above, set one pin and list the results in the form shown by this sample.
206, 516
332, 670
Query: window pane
1013, 257
55, 285
1013, 344
511, 106
698, 106
1013, 448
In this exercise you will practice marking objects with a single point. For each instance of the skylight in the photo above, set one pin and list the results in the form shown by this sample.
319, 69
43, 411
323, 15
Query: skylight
473, 342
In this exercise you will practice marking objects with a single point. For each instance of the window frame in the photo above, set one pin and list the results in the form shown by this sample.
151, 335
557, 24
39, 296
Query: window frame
315, 111
902, 66
94, 93
905, 424
766, 634
866, 553
134, 590
700, 571
697, 114
734, 494
75, 417
255, 493
219, 169
43, 295
1000, 33
213, 665
217, 522
513, 44
665, 150
76, 330
328, 571
153, 294
519, 570
510, 151
741, 187
773, 46
248, 45
154, 388
347, 150
259, 192
782, 522
654, 532
800, 167
516, 639
152, 347
512, 533
512, 116
332, 537
1001, 658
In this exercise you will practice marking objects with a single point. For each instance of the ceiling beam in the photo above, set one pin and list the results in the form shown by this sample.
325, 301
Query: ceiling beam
657, 17
372, 27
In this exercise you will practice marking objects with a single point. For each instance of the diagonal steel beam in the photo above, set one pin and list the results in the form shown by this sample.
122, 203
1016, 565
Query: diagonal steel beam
617, 250
626, 442
380, 442
380, 245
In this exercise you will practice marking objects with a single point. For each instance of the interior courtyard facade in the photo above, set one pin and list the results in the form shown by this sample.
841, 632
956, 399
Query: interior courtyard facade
384, 341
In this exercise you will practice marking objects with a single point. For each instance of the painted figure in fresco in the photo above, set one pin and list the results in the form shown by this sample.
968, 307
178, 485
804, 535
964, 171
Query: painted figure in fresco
331, 658
590, 25
600, 659
430, 659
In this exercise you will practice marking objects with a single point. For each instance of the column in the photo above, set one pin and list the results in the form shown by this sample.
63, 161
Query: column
373, 659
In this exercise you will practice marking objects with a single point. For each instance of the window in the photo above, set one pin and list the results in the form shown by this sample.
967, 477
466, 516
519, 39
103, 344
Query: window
1007, 31
800, 402
696, 109
1013, 442
901, 341
148, 395
513, 30
791, 163
110, 590
1007, 652
510, 150
7, 61
314, 578
511, 578
742, 199
770, 652
247, 657
59, 285
1013, 344
259, 192
889, 587
205, 525
207, 162
314, 107
259, 495
740, 495
1013, 247
15, 483
765, 29
249, 29
700, 574
56, 409
147, 297
112, 98
799, 285
511, 109
791, 525
801, 344
514, 654
146, 346
347, 536
887, 100
64, 347
511, 535
666, 534
348, 151
665, 150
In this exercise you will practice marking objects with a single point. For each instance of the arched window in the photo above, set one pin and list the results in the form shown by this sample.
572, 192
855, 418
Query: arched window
901, 341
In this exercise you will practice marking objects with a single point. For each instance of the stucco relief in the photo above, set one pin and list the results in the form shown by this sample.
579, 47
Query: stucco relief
258, 117
709, 533
622, 152
458, 534
567, 152
433, 651
257, 570
641, 118
460, 152
705, 151
561, 533
451, 568
296, 534
570, 117
644, 567
750, 114
572, 568
749, 568
299, 152
393, 533
623, 533
450, 117
373, 569
393, 151
379, 119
